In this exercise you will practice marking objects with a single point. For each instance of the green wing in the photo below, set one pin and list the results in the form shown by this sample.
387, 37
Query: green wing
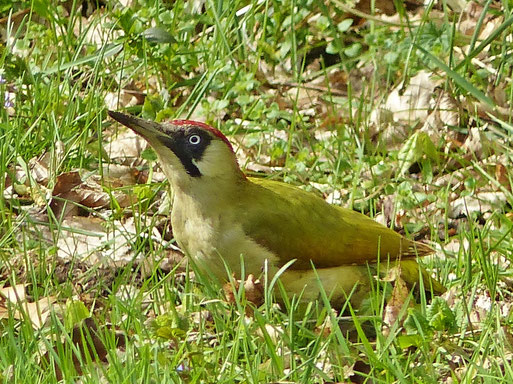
295, 224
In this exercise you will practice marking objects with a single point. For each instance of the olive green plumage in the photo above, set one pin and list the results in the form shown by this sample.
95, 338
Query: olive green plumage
348, 237
219, 215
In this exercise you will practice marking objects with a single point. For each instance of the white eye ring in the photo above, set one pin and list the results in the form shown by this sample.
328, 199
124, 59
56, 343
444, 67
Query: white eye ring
194, 139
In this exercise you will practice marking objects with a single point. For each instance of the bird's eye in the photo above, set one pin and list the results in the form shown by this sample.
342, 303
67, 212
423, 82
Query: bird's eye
194, 139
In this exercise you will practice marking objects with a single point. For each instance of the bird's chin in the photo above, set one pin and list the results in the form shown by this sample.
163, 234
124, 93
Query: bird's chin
173, 169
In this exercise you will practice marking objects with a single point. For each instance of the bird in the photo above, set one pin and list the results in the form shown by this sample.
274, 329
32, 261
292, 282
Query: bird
220, 217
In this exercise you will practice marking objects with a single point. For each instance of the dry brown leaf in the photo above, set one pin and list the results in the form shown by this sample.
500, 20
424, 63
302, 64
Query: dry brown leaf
13, 301
275, 332
326, 327
121, 100
377, 6
14, 294
89, 193
445, 113
96, 242
306, 98
480, 308
172, 259
253, 289
39, 168
65, 182
396, 301
480, 202
470, 17
476, 144
501, 175
405, 106
85, 336
92, 30
42, 166
507, 336
38, 311
118, 175
411, 102
4, 311
15, 18
126, 148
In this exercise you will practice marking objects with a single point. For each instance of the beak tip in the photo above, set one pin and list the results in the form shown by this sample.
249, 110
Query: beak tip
139, 126
115, 115
122, 118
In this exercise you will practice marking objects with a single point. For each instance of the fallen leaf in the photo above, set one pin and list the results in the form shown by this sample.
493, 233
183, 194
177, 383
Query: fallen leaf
16, 304
406, 104
122, 99
89, 342
396, 302
70, 188
15, 293
253, 291
65, 182
126, 148
501, 175
38, 311
443, 115
4, 311
275, 332
478, 203
411, 102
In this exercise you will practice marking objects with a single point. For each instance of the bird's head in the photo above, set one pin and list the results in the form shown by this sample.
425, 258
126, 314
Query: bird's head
188, 150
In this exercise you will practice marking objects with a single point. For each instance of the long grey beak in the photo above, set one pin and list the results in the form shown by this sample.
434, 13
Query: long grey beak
145, 128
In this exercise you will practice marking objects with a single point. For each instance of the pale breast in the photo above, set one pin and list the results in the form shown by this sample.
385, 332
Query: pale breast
195, 234
215, 243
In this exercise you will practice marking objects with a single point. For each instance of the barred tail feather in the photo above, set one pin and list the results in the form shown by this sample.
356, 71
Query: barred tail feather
414, 248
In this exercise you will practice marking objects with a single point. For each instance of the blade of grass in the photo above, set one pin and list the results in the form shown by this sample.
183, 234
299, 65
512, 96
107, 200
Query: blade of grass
457, 78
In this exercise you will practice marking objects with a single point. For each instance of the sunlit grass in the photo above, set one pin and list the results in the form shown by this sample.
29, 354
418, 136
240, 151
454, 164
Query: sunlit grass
226, 65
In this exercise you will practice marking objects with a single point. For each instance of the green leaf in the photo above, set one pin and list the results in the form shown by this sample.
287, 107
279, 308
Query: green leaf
440, 316
76, 311
331, 48
344, 25
149, 154
170, 333
407, 341
414, 149
353, 50
158, 35
152, 105
417, 323
219, 105
171, 325
391, 57
323, 23
41, 8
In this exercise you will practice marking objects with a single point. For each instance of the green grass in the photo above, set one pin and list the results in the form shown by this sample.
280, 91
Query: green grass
238, 69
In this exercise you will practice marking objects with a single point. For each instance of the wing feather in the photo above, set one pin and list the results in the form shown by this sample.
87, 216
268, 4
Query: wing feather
295, 224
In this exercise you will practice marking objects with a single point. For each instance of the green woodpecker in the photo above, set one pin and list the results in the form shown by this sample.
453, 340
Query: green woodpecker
219, 215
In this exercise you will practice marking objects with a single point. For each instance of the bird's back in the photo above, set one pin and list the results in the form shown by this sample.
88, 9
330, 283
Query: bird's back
295, 224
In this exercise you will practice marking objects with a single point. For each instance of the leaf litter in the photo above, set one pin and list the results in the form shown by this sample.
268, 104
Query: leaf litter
82, 203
